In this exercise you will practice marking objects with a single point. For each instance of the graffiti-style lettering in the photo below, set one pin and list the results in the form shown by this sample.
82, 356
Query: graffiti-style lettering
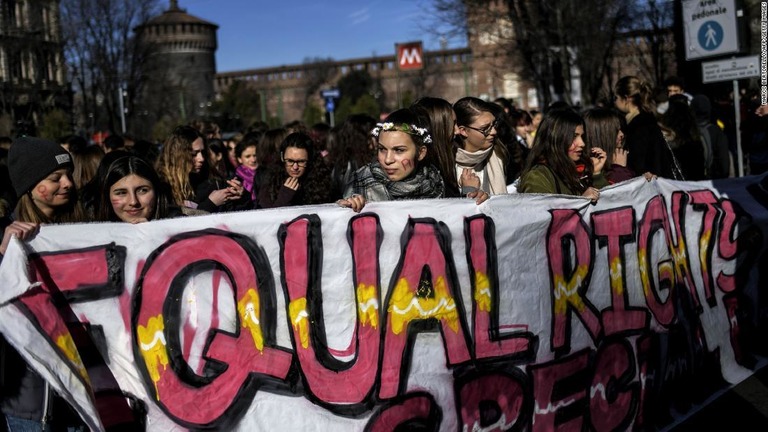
613, 395
329, 380
570, 279
560, 393
613, 230
62, 284
423, 291
414, 411
496, 400
237, 364
481, 250
655, 219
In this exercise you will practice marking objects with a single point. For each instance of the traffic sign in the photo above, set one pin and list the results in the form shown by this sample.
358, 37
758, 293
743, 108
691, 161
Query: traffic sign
330, 93
710, 28
330, 106
731, 69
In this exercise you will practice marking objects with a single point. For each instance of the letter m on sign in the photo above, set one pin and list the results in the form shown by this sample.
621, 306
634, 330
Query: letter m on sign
409, 56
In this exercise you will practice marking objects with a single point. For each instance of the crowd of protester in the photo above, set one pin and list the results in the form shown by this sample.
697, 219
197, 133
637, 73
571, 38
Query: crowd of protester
470, 149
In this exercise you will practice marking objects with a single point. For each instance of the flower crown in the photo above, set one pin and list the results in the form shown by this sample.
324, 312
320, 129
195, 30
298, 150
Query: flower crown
403, 127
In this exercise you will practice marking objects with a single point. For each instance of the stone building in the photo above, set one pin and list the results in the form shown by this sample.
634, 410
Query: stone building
32, 72
182, 63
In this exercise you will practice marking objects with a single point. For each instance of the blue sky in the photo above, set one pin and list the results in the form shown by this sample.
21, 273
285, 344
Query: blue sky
255, 34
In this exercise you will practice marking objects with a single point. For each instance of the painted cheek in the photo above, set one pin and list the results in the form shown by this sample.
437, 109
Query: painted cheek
43, 192
407, 163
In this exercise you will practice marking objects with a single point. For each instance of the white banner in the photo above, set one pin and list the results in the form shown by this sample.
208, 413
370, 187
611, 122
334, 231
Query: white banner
529, 311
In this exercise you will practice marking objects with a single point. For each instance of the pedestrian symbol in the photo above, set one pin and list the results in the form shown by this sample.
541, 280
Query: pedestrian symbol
710, 35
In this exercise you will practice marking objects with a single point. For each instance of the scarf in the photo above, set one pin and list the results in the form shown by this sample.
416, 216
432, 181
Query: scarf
246, 175
372, 182
493, 180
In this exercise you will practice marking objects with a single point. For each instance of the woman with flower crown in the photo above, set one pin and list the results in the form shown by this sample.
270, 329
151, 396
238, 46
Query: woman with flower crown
478, 149
403, 168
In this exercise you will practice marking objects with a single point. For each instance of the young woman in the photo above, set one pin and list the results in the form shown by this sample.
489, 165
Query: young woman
183, 166
248, 161
401, 170
442, 126
648, 152
41, 175
602, 128
132, 192
478, 149
557, 163
299, 178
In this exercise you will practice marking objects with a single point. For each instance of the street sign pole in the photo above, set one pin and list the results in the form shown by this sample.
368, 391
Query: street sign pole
732, 70
736, 105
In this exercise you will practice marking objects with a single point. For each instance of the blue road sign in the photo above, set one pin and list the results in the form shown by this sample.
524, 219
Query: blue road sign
329, 105
710, 35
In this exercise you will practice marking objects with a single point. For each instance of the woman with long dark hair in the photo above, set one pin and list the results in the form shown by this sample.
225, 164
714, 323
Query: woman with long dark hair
131, 191
560, 162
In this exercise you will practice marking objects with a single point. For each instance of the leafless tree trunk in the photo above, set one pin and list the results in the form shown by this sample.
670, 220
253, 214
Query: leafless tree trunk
102, 53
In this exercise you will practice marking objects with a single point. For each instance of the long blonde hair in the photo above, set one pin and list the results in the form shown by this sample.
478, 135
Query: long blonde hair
174, 163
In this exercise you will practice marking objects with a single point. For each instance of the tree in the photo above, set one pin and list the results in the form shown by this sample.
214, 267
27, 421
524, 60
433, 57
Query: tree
548, 40
55, 124
239, 106
102, 52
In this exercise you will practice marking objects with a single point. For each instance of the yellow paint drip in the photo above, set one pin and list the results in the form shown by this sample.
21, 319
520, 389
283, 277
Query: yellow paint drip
405, 306
642, 255
298, 312
703, 246
368, 305
616, 281
248, 309
482, 292
152, 345
567, 293
67, 345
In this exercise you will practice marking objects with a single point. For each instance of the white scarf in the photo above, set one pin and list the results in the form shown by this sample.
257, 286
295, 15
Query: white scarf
488, 166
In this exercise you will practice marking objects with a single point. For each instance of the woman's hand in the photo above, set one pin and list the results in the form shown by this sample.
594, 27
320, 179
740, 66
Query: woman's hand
235, 189
591, 193
469, 178
20, 230
598, 159
479, 196
355, 202
620, 156
219, 196
649, 176
292, 183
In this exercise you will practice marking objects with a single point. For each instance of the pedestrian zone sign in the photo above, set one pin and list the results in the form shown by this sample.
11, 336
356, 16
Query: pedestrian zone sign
710, 28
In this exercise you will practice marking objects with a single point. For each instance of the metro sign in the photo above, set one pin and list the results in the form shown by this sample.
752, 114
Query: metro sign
410, 56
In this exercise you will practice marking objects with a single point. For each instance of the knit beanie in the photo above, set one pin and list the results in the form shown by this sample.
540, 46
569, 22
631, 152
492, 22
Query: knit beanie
33, 159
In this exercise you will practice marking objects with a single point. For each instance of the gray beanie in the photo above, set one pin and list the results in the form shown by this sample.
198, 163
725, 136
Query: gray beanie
33, 159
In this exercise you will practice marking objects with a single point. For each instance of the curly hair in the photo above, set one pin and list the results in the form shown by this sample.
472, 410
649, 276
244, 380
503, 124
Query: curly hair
175, 164
315, 182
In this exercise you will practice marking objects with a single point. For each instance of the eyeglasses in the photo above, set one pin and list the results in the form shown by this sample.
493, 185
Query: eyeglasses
486, 130
300, 162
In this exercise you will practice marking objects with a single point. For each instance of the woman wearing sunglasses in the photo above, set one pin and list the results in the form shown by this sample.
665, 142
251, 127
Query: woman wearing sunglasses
299, 178
478, 149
